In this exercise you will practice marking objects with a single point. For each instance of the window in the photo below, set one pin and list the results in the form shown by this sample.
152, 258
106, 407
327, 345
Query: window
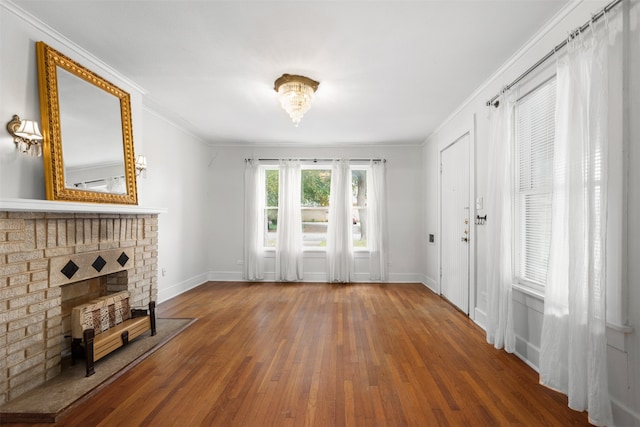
271, 207
359, 216
534, 134
314, 202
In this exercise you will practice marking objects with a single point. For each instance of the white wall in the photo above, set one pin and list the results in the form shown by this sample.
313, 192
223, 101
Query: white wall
177, 177
404, 189
624, 349
23, 176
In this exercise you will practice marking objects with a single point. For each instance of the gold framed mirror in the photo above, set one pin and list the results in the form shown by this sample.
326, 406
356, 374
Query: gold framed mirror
86, 125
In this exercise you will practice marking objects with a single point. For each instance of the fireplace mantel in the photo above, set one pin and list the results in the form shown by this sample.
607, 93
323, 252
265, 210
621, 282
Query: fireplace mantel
33, 205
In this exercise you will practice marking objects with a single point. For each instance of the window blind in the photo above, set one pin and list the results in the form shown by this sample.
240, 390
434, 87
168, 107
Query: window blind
535, 132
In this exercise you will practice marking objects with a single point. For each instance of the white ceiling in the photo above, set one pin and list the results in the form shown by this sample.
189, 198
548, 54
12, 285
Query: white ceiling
390, 71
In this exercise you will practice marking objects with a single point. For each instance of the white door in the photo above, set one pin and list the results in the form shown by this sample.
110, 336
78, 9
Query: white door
455, 227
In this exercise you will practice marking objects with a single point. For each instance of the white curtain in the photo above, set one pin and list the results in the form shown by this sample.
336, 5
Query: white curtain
116, 185
289, 244
339, 233
254, 196
500, 227
573, 353
377, 221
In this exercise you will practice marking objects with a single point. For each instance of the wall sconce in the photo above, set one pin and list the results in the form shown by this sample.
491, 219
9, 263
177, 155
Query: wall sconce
26, 135
141, 166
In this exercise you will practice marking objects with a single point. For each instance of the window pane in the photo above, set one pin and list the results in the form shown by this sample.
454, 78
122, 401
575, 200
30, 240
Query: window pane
316, 185
271, 180
535, 236
270, 227
271, 207
535, 134
359, 220
359, 203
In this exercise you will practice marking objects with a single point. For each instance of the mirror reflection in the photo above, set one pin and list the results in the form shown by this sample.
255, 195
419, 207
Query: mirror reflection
91, 129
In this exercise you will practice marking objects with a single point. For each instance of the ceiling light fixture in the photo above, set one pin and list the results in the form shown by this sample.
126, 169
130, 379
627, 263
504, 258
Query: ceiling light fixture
295, 94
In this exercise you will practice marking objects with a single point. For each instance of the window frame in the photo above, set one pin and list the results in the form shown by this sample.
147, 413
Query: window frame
266, 207
367, 169
519, 197
315, 166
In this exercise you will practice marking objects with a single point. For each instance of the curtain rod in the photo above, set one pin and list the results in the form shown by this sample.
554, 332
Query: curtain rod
93, 181
320, 160
544, 59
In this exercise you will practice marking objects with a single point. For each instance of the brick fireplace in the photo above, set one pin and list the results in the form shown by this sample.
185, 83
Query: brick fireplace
34, 249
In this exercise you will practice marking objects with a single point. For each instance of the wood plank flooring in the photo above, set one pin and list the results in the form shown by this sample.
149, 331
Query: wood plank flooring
324, 355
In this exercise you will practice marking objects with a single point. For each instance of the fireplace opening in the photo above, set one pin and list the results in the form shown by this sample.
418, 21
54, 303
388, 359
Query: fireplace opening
81, 292
74, 294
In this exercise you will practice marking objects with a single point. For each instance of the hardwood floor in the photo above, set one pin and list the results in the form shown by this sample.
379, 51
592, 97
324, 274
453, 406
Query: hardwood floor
324, 355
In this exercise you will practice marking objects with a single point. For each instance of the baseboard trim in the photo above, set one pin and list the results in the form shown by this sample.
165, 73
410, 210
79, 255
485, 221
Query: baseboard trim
405, 278
169, 292
225, 276
314, 277
623, 415
430, 283
527, 352
480, 318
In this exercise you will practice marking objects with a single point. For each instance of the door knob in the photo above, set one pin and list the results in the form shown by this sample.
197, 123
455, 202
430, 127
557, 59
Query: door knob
464, 239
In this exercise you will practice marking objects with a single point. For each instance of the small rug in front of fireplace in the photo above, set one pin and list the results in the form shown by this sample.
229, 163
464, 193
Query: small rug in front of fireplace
71, 387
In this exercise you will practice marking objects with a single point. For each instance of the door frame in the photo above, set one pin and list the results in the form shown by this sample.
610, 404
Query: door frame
469, 130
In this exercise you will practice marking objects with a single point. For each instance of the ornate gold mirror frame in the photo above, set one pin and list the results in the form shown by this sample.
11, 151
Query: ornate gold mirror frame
50, 63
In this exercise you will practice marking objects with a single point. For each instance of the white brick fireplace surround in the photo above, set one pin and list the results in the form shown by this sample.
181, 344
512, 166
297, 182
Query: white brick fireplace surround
40, 238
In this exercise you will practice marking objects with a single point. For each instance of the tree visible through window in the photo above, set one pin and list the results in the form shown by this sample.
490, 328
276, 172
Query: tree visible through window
316, 185
271, 208
359, 184
314, 203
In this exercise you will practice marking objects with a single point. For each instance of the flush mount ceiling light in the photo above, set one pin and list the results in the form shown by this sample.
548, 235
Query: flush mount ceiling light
295, 94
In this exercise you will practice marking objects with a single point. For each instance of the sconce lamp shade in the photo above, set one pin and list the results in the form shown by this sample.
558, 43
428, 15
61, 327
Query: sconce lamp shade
26, 135
141, 166
29, 129
141, 162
